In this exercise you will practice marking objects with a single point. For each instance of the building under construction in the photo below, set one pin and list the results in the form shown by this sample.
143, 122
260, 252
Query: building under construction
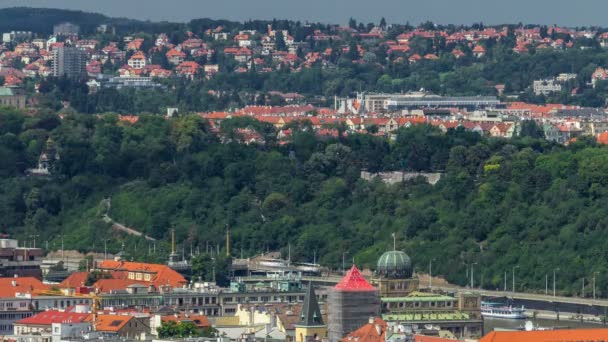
350, 305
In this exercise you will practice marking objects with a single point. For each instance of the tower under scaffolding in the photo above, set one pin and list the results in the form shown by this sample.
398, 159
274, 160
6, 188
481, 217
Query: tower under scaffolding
350, 304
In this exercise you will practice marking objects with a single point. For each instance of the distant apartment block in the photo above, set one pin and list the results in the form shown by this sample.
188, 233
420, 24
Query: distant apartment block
546, 87
66, 29
69, 62
16, 36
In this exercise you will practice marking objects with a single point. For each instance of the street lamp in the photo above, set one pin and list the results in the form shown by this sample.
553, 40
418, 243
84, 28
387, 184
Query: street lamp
514, 267
555, 269
431, 274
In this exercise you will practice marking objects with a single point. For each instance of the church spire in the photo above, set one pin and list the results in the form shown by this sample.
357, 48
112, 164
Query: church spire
311, 314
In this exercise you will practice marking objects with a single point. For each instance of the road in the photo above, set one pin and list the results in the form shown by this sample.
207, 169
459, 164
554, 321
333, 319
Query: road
126, 229
334, 279
530, 296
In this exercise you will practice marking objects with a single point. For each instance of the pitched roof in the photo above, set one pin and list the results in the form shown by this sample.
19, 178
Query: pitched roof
547, 335
311, 314
161, 274
10, 286
371, 332
111, 323
53, 316
74, 280
354, 281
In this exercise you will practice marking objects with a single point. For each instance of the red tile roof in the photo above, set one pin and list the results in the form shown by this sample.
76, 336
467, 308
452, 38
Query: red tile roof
161, 274
74, 280
10, 286
54, 316
370, 332
354, 281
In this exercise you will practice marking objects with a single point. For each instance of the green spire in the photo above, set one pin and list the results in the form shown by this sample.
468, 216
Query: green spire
311, 314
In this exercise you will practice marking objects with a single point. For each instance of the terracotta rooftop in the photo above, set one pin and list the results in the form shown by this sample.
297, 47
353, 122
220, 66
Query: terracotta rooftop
10, 286
587, 335
54, 316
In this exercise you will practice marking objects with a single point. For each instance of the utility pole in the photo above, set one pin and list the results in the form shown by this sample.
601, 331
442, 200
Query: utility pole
472, 278
594, 273
546, 284
583, 289
505, 287
514, 267
105, 249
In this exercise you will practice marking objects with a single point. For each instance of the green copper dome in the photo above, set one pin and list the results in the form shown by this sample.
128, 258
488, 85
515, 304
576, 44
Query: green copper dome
394, 264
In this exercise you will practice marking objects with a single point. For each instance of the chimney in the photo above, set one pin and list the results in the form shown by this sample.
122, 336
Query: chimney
371, 320
379, 329
14, 283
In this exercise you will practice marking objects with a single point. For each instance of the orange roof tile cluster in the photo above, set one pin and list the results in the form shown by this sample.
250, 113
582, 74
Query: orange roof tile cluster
110, 323
10, 286
587, 335
74, 280
371, 332
602, 138
160, 274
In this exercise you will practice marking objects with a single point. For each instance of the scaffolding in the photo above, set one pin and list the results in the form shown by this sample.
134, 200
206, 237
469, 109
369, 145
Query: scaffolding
350, 305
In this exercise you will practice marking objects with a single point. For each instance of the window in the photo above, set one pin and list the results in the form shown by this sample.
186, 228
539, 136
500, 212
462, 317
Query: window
131, 275
147, 277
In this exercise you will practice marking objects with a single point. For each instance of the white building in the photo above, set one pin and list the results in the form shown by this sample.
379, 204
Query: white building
546, 87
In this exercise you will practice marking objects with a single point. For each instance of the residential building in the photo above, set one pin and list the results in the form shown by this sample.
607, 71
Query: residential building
70, 62
41, 324
374, 331
149, 274
546, 87
175, 56
19, 261
137, 61
16, 36
125, 326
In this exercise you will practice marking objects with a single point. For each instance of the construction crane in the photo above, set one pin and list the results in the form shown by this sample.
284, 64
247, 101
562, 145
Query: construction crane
93, 296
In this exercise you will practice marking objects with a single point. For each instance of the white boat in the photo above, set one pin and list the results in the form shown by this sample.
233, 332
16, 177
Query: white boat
497, 310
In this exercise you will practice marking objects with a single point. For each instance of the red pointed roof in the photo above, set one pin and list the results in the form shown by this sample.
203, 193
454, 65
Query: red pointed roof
354, 281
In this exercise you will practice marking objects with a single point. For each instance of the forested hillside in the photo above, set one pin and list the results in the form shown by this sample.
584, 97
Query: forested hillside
500, 203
